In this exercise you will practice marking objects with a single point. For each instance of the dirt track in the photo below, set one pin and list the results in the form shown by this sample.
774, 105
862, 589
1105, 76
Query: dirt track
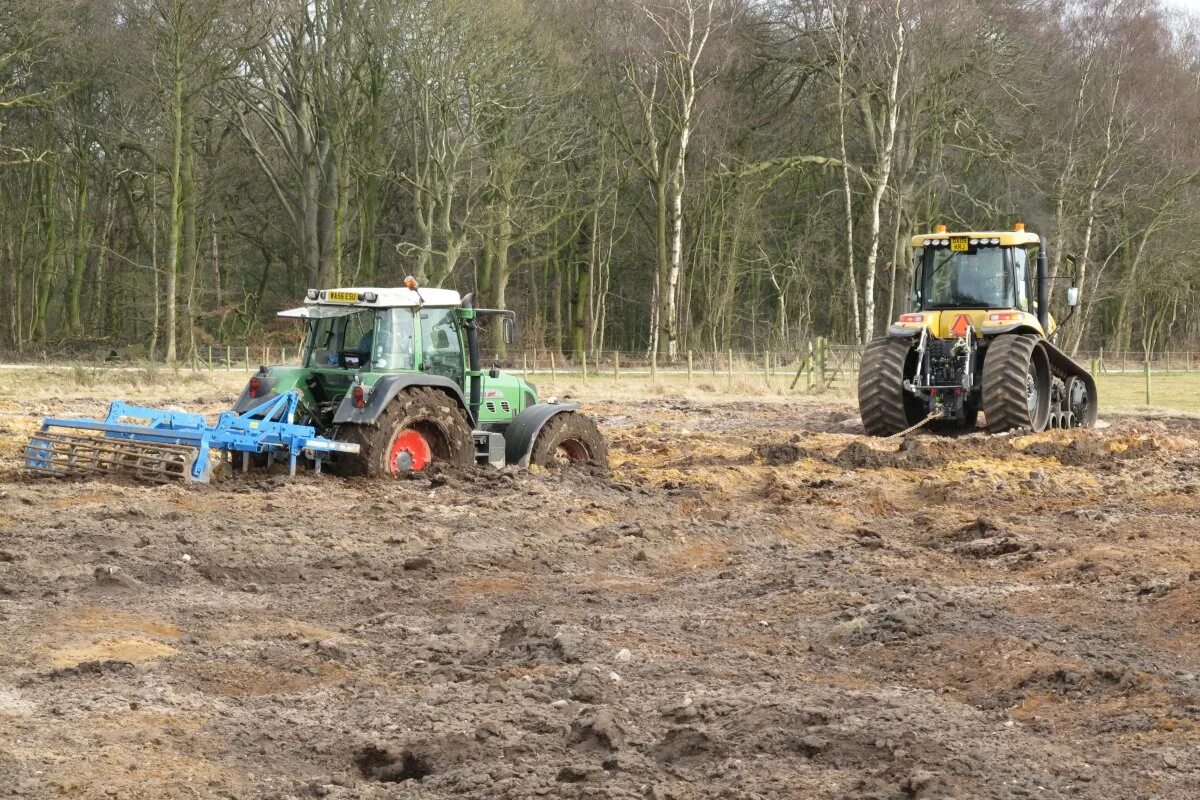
756, 603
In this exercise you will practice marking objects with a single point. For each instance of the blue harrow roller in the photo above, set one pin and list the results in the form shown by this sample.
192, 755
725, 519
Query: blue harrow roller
161, 446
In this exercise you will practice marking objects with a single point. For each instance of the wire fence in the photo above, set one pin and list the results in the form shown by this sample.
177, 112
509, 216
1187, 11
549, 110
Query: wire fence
813, 366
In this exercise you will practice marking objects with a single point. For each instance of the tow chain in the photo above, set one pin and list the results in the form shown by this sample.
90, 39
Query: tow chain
932, 416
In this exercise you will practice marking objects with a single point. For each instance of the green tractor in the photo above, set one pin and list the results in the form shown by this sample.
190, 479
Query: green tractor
397, 372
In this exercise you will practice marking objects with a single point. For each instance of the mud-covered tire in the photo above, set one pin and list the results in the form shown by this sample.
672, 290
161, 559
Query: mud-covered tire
885, 407
437, 416
1013, 367
569, 437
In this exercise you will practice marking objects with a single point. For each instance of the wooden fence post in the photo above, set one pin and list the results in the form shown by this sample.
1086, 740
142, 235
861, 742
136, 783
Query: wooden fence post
553, 370
689, 368
729, 368
822, 348
228, 358
616, 365
583, 362
767, 368
210, 358
525, 364
1147, 379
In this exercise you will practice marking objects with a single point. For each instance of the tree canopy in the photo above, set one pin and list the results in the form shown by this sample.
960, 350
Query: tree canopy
645, 175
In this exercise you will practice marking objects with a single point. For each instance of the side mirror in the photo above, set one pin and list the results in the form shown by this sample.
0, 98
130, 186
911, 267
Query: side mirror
510, 330
1073, 296
494, 372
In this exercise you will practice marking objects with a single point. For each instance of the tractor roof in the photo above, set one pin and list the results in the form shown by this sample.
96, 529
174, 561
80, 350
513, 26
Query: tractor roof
1007, 238
372, 297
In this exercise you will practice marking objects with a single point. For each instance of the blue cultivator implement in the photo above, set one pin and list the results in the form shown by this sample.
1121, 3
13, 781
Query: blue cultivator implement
162, 446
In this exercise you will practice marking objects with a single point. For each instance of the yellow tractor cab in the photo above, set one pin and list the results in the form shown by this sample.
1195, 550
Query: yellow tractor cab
979, 337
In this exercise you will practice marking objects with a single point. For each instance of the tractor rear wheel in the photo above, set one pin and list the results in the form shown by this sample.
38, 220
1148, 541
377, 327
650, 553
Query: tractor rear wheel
569, 438
885, 406
1016, 384
421, 426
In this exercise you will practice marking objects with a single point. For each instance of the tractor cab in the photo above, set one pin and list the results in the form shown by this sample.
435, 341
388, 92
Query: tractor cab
982, 280
356, 337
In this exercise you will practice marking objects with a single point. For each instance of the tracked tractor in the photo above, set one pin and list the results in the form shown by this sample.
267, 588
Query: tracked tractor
979, 338
390, 382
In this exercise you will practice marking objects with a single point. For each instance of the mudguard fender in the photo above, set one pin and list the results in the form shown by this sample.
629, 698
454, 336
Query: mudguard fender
385, 390
522, 432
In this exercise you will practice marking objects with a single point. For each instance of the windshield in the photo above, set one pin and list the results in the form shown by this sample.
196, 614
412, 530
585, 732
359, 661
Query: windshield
978, 278
361, 338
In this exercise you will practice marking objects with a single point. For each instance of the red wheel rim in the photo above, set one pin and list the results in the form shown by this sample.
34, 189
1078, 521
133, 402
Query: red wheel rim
415, 444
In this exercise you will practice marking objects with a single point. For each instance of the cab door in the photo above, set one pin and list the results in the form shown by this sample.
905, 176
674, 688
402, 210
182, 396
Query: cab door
441, 344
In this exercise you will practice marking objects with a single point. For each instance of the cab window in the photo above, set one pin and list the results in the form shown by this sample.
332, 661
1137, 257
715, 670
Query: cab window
441, 345
917, 264
336, 336
395, 340
1021, 277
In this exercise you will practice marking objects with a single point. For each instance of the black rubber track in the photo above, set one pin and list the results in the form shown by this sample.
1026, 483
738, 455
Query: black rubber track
579, 432
434, 413
885, 407
1008, 361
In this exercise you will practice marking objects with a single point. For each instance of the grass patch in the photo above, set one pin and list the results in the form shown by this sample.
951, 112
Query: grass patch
1178, 391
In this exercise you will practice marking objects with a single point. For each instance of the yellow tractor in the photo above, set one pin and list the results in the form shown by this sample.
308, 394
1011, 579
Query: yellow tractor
979, 338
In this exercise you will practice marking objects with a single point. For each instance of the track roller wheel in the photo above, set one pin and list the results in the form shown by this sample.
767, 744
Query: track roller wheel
884, 405
1079, 402
421, 426
1016, 384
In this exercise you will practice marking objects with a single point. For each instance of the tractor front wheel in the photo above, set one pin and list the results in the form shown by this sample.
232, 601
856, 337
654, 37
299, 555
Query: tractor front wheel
569, 438
421, 426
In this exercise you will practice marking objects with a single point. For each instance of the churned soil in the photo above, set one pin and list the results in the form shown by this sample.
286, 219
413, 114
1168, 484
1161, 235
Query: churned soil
757, 601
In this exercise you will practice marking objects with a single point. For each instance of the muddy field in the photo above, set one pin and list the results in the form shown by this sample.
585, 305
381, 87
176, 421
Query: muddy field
756, 602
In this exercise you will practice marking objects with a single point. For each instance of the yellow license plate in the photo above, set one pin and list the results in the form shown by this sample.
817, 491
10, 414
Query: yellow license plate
959, 244
342, 297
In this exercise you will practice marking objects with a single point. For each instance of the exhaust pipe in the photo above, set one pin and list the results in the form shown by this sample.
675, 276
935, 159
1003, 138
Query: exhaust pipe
1043, 287
473, 360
